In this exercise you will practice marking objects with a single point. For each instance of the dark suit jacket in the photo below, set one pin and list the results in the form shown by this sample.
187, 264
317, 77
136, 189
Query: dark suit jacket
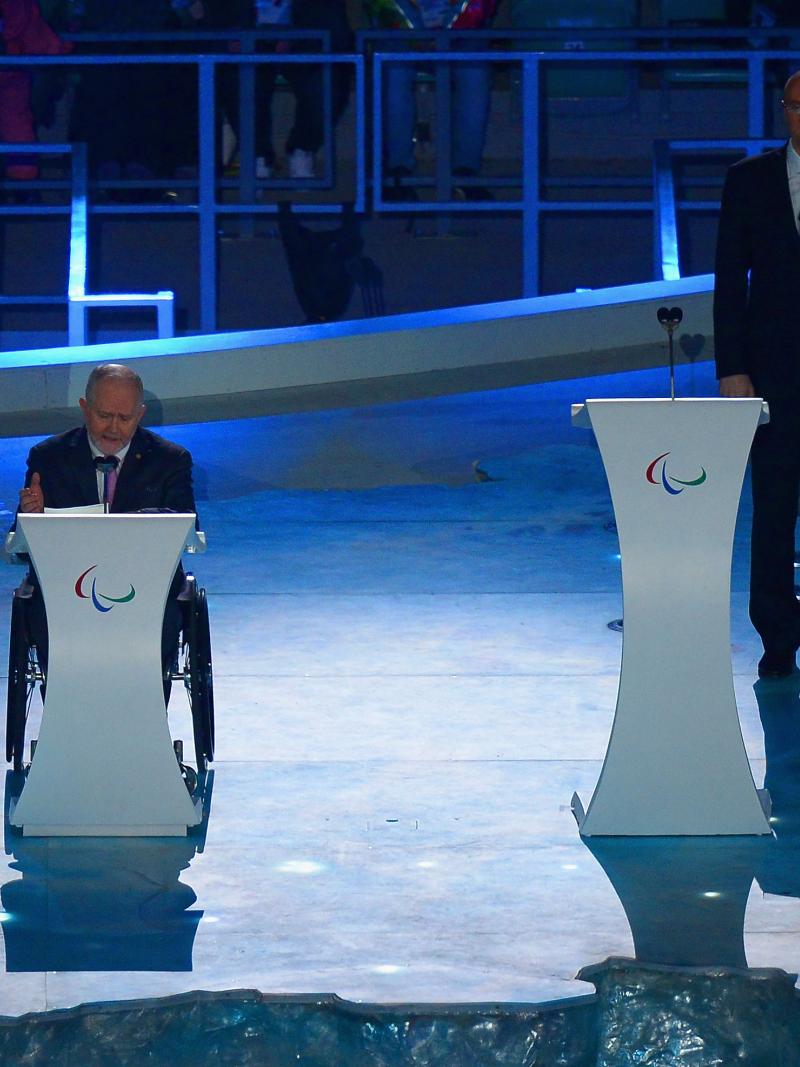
756, 320
155, 474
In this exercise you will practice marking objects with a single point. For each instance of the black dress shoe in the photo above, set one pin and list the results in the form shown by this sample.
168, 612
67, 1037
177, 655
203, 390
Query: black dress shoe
777, 665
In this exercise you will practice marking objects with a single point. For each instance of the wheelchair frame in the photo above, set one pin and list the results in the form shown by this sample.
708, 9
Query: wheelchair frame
191, 665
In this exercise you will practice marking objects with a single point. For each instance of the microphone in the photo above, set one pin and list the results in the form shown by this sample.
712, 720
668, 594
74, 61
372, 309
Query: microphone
670, 319
106, 464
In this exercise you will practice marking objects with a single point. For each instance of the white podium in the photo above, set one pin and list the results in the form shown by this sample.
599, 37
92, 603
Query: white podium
676, 762
104, 763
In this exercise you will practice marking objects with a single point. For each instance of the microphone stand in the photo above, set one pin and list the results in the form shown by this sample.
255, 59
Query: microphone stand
670, 319
106, 464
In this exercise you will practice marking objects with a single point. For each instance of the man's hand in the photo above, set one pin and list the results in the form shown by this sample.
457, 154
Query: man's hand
32, 498
736, 385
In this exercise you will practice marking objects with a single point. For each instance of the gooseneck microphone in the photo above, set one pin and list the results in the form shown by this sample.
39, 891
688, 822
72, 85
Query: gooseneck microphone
670, 319
106, 465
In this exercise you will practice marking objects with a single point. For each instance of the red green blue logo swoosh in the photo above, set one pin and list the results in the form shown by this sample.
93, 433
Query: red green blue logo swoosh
670, 482
95, 596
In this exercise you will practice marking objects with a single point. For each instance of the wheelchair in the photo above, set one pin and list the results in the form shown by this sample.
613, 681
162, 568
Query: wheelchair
191, 665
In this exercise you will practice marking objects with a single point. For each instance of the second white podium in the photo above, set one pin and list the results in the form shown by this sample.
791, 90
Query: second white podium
676, 762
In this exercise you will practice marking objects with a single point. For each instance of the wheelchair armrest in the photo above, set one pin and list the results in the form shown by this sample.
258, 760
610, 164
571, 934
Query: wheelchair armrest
15, 549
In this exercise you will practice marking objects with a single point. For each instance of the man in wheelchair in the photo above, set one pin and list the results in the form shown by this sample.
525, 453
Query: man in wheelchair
112, 460
111, 452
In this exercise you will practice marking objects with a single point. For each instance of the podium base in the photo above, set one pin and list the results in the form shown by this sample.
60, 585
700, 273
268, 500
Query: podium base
33, 829
578, 810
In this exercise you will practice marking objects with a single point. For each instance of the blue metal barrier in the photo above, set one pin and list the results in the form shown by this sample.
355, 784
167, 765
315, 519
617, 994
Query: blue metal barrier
207, 208
666, 250
78, 301
532, 206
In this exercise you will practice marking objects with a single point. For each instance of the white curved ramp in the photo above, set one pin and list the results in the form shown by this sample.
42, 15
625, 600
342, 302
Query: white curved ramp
370, 360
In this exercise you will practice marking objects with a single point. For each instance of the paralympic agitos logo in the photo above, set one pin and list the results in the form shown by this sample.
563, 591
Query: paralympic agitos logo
669, 482
96, 596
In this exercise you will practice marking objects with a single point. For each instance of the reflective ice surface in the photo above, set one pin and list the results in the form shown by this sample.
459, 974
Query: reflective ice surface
413, 675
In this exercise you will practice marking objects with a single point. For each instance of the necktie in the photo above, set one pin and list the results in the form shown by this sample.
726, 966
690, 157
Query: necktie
111, 482
108, 465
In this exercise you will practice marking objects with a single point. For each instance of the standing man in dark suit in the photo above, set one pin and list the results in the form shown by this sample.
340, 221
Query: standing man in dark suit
149, 472
756, 306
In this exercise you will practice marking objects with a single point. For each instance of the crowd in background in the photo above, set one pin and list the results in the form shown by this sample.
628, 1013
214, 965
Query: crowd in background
140, 121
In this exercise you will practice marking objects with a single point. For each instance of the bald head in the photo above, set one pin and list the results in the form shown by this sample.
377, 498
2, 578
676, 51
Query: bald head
113, 406
114, 372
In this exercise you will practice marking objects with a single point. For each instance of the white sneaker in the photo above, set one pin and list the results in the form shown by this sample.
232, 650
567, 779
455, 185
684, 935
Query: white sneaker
301, 164
263, 170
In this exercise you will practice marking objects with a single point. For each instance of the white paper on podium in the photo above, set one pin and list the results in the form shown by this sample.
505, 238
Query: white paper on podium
80, 509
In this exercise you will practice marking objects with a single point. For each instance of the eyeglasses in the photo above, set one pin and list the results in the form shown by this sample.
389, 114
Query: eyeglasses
792, 107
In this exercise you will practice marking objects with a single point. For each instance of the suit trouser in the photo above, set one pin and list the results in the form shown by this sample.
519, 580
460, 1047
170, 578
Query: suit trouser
775, 471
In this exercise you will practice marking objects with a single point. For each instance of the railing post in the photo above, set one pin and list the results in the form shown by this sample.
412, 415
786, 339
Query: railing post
361, 135
755, 95
207, 197
76, 323
666, 261
328, 131
78, 224
377, 131
247, 140
531, 69
444, 164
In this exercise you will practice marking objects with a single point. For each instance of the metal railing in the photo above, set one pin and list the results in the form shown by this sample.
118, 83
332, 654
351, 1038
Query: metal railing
532, 205
77, 299
666, 244
207, 208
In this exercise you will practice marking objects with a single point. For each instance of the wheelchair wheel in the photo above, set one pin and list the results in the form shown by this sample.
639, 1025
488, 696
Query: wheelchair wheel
21, 682
200, 682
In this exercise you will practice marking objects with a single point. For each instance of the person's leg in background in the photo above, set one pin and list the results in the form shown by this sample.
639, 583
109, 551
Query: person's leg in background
308, 133
16, 122
228, 96
308, 82
775, 472
472, 87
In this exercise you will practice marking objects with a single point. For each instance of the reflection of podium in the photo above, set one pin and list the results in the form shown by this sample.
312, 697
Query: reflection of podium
684, 897
104, 762
676, 762
100, 904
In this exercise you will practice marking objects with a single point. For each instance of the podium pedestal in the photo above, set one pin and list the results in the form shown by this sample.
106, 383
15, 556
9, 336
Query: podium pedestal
104, 763
676, 762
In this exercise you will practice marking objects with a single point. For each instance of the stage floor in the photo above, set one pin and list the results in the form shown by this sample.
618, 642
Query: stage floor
413, 674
